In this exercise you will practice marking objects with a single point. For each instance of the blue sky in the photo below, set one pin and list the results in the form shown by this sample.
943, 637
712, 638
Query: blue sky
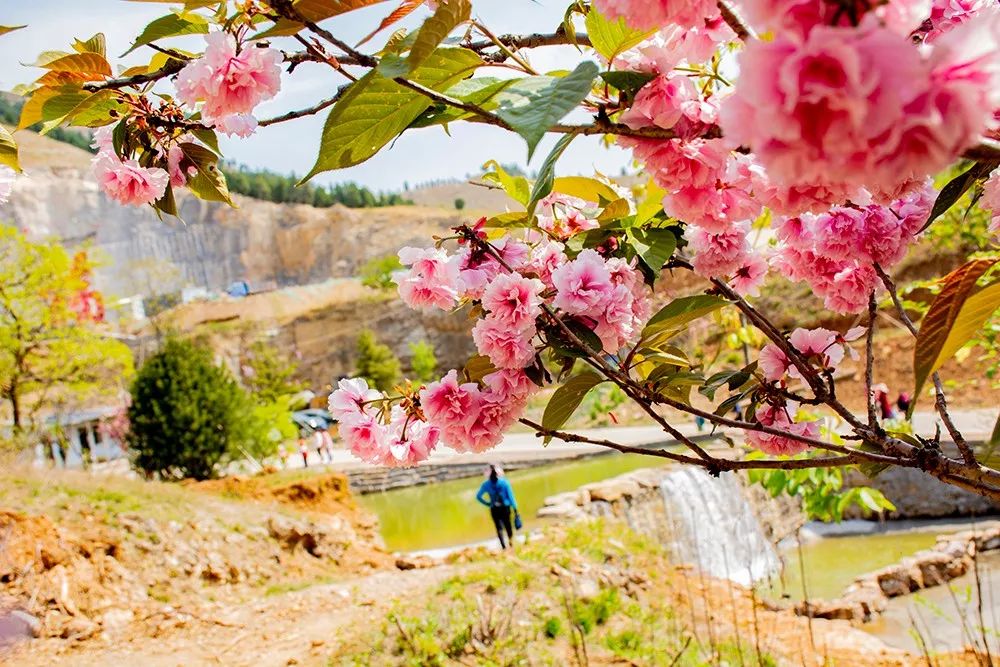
291, 147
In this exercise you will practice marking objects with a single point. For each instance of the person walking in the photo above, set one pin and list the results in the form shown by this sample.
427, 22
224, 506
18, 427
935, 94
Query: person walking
304, 450
497, 494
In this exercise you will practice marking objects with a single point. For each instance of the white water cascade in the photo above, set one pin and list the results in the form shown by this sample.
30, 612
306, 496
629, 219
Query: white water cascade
714, 527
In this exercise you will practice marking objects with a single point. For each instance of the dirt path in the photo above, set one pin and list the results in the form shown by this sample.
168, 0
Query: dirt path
298, 628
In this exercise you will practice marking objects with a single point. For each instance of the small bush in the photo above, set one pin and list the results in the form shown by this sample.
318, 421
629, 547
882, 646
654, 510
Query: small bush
376, 363
552, 627
459, 204
422, 361
377, 273
187, 413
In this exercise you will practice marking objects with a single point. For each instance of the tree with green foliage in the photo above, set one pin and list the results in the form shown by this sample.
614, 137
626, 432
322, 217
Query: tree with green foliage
459, 203
268, 374
423, 363
376, 363
377, 272
188, 414
271, 377
52, 353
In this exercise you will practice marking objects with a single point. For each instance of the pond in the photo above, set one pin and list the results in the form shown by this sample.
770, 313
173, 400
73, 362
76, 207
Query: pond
446, 514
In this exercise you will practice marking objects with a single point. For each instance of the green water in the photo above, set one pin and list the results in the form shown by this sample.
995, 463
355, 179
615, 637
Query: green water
831, 563
447, 514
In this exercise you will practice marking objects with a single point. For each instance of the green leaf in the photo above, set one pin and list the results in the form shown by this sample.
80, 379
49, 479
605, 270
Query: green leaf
957, 187
97, 110
47, 104
374, 110
952, 320
680, 311
8, 150
567, 398
95, 44
627, 82
208, 183
991, 445
516, 187
654, 246
207, 137
547, 174
507, 220
170, 25
405, 9
614, 211
481, 91
91, 64
610, 38
534, 104
651, 203
448, 15
588, 189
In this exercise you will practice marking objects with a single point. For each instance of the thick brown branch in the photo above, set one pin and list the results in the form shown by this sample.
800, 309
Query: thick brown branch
733, 21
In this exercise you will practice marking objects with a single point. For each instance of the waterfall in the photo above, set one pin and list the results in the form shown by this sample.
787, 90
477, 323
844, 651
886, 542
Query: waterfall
714, 527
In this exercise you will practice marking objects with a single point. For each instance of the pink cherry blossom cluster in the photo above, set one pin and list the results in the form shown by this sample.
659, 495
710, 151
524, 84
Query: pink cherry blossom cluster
673, 45
513, 283
649, 14
605, 294
799, 17
473, 418
230, 80
377, 433
821, 348
563, 216
846, 107
126, 182
948, 14
991, 199
835, 252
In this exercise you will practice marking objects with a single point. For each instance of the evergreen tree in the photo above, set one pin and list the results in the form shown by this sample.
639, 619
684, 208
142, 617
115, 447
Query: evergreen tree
376, 363
188, 415
422, 361
459, 204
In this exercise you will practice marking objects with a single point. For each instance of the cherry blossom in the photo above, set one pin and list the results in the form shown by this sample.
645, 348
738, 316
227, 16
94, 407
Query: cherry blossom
229, 80
514, 300
351, 396
648, 14
128, 182
991, 199
432, 280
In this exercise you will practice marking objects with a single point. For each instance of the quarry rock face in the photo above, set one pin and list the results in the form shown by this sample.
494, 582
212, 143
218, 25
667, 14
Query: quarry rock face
213, 244
262, 243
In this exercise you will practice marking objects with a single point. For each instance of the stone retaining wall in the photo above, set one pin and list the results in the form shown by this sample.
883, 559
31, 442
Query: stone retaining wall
373, 480
951, 557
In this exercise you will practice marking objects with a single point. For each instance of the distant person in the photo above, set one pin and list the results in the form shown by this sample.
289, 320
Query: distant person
881, 395
327, 444
320, 445
283, 455
497, 494
304, 451
903, 402
699, 421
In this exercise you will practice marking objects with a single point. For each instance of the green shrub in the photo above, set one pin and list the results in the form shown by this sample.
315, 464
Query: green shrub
552, 627
376, 363
459, 204
377, 272
187, 414
423, 362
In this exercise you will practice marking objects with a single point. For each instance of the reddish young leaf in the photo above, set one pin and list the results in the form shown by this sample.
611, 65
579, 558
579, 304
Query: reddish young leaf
405, 9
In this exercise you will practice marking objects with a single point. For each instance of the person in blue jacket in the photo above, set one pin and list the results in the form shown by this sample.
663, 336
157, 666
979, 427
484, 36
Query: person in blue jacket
497, 494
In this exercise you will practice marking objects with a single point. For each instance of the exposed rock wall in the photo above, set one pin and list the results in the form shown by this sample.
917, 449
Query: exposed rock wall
215, 244
917, 495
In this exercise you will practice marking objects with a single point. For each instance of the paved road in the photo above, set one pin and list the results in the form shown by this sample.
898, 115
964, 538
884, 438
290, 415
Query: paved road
975, 424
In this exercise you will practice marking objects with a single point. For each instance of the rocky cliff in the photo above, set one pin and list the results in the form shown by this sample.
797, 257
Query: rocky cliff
212, 244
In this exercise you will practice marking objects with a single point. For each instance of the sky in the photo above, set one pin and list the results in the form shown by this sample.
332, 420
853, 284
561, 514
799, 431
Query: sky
416, 157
